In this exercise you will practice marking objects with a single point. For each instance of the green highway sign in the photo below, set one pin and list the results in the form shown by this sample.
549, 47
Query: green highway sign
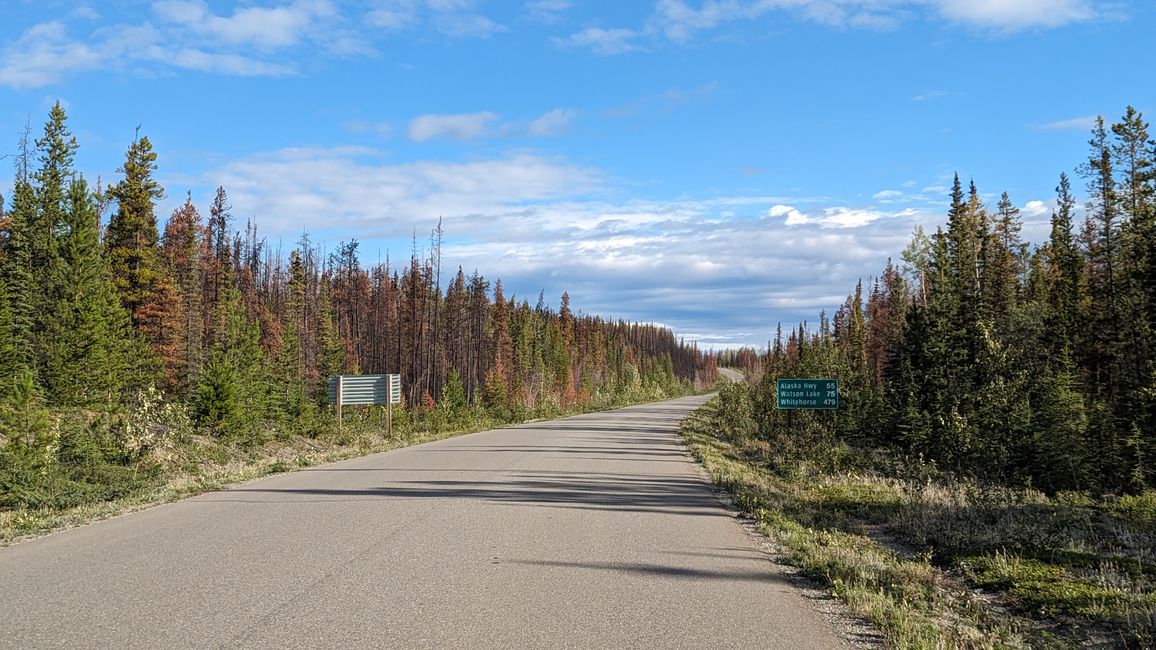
807, 394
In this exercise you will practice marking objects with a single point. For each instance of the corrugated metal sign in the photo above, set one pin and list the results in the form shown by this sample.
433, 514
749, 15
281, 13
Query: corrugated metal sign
366, 389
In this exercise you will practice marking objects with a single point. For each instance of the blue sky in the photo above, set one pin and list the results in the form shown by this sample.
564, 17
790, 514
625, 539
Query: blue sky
712, 166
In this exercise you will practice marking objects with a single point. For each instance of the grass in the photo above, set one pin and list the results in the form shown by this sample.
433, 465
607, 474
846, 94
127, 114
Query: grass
939, 564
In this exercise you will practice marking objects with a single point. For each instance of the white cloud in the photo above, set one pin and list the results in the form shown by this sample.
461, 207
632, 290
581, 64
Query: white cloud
230, 64
1011, 15
553, 123
790, 212
531, 221
395, 15
832, 217
548, 11
464, 25
266, 28
187, 35
44, 55
1084, 123
85, 12
1035, 209
886, 195
299, 187
485, 124
605, 42
453, 18
679, 21
465, 126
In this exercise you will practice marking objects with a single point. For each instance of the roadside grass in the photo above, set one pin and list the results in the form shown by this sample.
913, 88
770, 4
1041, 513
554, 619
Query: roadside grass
940, 564
180, 462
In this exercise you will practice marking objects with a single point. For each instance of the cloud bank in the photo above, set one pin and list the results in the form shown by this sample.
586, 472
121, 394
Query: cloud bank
724, 269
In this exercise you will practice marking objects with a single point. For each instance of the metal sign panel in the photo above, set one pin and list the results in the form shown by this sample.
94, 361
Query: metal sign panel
359, 389
807, 394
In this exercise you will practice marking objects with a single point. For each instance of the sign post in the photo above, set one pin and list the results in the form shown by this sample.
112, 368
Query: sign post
394, 398
821, 394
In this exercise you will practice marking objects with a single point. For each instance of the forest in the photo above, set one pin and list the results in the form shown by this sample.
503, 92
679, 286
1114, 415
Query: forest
992, 358
118, 335
987, 480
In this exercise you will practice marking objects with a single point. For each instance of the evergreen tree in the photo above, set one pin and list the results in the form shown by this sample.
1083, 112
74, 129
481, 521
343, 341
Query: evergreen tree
131, 242
16, 270
498, 379
88, 345
216, 263
332, 359
132, 237
290, 366
181, 249
1101, 235
1064, 273
1005, 266
1133, 153
57, 150
9, 353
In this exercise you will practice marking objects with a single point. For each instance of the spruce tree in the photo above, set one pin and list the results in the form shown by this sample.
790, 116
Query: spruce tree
131, 243
132, 237
56, 152
180, 249
9, 353
1101, 235
21, 286
290, 366
88, 345
1005, 265
1064, 273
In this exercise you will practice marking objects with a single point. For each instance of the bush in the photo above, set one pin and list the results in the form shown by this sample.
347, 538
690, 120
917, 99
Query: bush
215, 401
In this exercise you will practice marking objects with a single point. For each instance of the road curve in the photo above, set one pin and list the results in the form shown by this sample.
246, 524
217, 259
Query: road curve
593, 531
733, 376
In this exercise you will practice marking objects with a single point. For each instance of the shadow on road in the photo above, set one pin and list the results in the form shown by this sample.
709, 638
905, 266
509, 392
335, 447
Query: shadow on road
647, 570
602, 491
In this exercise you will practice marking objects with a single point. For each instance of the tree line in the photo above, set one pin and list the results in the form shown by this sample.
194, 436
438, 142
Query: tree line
985, 356
244, 335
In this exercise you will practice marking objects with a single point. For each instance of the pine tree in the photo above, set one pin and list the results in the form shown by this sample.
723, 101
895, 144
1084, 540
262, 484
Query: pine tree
1065, 275
216, 264
1005, 266
1134, 160
132, 235
16, 270
180, 248
498, 378
290, 366
88, 345
57, 150
9, 354
1101, 241
131, 242
332, 357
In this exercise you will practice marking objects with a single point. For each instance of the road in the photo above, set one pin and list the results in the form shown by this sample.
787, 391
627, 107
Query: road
594, 531
731, 375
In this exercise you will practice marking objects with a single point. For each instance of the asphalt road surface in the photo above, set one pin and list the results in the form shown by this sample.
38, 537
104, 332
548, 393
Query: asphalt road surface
731, 375
589, 532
